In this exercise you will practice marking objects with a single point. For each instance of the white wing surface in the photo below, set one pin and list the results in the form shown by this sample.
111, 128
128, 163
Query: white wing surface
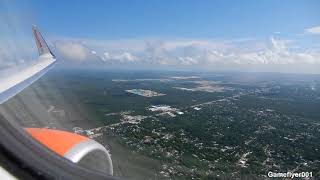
17, 79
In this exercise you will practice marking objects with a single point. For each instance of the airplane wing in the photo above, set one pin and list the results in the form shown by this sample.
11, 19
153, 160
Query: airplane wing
78, 149
18, 79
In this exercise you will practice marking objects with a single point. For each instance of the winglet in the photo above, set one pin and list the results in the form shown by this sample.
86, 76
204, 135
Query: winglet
42, 46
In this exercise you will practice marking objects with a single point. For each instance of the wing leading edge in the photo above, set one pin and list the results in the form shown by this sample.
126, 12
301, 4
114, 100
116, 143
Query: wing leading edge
16, 81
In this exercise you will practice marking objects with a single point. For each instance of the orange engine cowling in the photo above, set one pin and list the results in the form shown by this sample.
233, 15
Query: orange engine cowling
78, 149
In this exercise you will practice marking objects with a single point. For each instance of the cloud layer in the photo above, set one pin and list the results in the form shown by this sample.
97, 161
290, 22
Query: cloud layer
313, 30
193, 53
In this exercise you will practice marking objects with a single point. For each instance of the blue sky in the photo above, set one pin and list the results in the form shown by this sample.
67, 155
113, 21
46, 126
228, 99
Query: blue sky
179, 18
246, 35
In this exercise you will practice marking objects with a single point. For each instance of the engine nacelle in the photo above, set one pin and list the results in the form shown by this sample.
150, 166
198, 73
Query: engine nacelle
78, 149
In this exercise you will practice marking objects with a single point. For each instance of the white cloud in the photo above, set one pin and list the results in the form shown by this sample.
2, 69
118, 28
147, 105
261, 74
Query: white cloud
278, 53
73, 50
192, 53
188, 60
127, 57
120, 57
114, 45
313, 30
